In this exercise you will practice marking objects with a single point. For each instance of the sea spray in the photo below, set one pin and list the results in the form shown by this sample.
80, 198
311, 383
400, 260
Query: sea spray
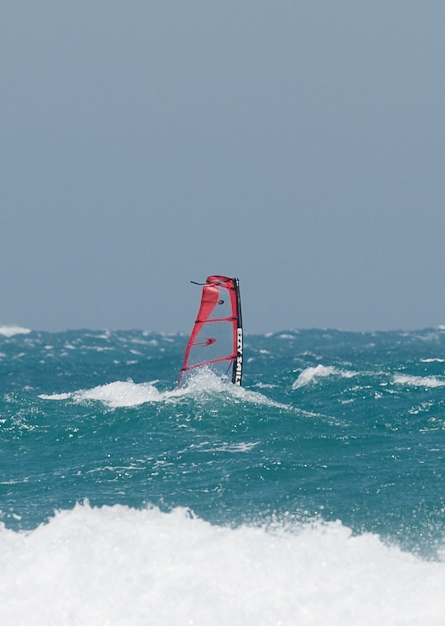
115, 565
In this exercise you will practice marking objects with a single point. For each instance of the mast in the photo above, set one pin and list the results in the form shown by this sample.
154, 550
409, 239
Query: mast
237, 373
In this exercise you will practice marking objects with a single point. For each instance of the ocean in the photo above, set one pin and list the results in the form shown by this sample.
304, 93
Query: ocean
313, 495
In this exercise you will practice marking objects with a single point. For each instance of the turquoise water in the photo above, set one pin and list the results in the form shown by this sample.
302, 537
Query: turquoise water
332, 451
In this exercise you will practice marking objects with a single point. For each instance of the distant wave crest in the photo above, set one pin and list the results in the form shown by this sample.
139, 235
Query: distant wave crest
418, 381
10, 331
319, 371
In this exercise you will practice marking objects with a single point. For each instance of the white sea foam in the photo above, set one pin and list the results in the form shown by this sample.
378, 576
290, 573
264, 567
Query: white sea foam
319, 371
229, 447
56, 396
121, 567
127, 394
432, 360
418, 381
10, 331
266, 385
117, 394
206, 381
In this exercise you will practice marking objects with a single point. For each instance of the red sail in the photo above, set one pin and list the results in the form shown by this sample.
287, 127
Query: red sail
216, 339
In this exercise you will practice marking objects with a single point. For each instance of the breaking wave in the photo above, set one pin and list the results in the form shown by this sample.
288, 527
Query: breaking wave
119, 566
319, 371
10, 331
128, 393
418, 381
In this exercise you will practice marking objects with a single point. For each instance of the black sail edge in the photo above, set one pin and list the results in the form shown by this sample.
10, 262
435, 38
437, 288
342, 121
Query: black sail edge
237, 371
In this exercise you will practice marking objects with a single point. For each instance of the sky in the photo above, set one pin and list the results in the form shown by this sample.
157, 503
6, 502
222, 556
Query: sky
297, 145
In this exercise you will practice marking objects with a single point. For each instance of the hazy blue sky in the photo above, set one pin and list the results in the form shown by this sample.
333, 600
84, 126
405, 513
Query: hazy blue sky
296, 145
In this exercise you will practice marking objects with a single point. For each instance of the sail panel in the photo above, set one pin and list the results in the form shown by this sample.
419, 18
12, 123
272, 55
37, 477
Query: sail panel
216, 339
224, 305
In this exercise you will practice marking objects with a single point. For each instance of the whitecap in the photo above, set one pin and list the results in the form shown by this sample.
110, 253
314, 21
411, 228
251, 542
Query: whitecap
117, 565
129, 394
418, 381
319, 371
113, 395
432, 360
55, 396
10, 331
230, 447
206, 381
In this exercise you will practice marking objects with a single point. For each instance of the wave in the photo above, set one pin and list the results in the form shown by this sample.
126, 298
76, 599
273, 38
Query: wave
311, 374
116, 565
418, 381
319, 371
433, 360
114, 395
10, 331
130, 394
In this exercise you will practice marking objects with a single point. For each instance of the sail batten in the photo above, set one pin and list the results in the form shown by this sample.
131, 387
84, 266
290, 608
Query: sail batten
216, 338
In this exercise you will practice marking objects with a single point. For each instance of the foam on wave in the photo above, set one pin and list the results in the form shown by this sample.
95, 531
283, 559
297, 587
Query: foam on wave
120, 566
128, 393
10, 331
418, 381
114, 395
319, 371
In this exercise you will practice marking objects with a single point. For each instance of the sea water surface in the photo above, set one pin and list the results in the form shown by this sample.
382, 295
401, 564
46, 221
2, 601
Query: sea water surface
312, 495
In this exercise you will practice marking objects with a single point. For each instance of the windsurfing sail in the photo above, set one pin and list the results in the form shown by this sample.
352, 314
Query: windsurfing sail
217, 336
